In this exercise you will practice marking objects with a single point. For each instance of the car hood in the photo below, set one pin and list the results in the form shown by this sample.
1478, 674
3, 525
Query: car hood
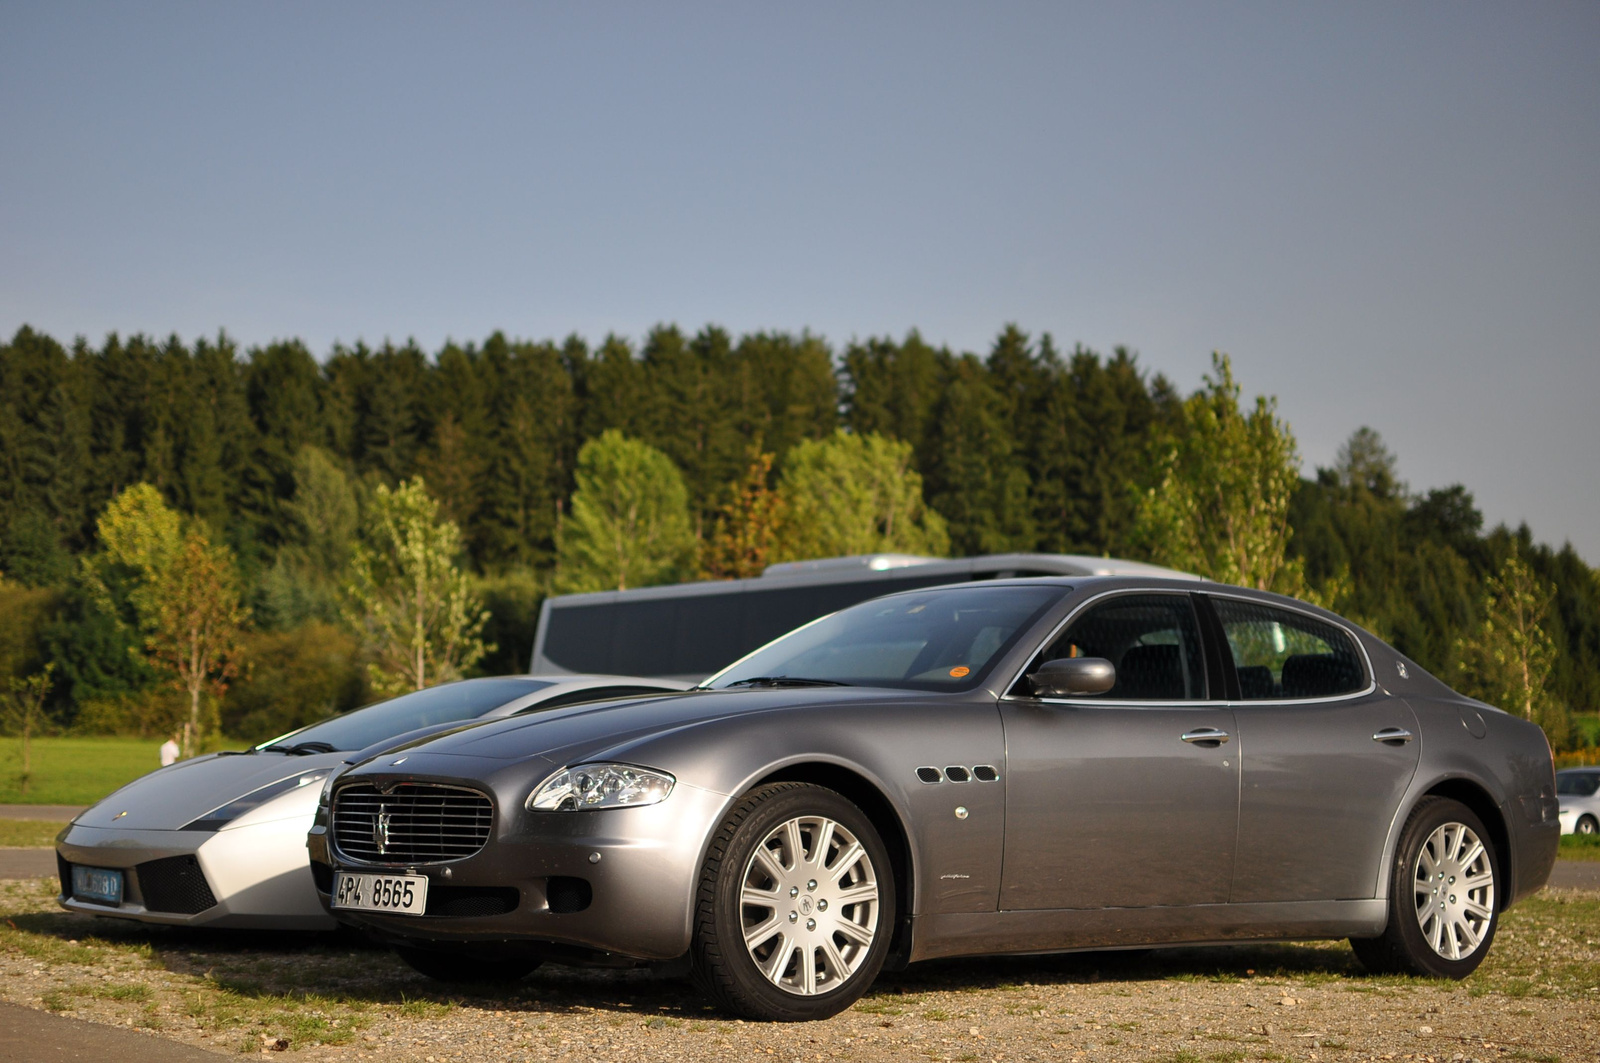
168, 798
610, 723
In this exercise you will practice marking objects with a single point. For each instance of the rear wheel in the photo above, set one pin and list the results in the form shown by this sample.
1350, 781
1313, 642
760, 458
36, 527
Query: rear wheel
796, 906
1587, 825
456, 967
1442, 903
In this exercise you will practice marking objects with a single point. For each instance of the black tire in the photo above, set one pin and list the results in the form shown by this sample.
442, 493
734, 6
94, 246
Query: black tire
1587, 825
1404, 947
727, 970
458, 968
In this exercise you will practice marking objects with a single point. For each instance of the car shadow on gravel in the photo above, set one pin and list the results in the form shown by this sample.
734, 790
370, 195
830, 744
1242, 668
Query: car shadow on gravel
346, 967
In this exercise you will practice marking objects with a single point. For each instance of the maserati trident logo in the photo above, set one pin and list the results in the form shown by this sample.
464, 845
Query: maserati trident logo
380, 830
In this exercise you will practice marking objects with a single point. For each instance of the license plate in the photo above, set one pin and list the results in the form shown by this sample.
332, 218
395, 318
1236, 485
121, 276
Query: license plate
403, 894
99, 884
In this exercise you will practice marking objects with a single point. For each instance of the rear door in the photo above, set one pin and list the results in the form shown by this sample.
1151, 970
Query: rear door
1128, 799
1327, 755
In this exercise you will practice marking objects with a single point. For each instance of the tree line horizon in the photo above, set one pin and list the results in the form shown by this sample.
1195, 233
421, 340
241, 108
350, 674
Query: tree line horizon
716, 454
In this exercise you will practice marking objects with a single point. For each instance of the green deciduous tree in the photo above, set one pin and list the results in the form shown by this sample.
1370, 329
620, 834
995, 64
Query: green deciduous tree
1508, 661
194, 628
852, 494
629, 525
24, 715
1220, 503
414, 609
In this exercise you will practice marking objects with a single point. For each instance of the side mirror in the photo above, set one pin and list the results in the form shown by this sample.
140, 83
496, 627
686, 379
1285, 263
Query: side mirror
1067, 677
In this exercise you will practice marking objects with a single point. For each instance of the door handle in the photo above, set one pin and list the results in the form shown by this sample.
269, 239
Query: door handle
1393, 735
1205, 736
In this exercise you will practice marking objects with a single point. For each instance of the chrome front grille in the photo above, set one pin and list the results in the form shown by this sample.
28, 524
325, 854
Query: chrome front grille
412, 823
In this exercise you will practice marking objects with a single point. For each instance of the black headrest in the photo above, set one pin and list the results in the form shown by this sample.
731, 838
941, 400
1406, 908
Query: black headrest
1150, 672
1319, 675
1255, 683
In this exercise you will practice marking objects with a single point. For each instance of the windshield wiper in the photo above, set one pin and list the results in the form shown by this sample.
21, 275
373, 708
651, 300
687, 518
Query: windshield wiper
301, 749
784, 681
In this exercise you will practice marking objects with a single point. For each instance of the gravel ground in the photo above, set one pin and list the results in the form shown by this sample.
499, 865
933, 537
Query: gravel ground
328, 997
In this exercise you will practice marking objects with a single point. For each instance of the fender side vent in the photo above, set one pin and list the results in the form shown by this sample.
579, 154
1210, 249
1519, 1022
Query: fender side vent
985, 773
956, 773
929, 774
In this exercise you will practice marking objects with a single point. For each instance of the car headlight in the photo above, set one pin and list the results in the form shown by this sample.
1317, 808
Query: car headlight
600, 786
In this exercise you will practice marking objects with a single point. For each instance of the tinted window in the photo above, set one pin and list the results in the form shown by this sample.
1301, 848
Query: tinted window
1282, 654
936, 640
1577, 783
698, 634
448, 703
1152, 640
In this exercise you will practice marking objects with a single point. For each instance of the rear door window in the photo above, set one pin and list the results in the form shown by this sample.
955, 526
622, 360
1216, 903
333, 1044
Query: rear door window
1280, 654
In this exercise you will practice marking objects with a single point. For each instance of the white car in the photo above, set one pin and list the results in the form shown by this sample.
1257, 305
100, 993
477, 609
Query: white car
220, 840
1578, 791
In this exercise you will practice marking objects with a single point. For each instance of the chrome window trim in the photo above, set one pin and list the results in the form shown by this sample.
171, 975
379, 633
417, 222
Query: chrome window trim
1372, 683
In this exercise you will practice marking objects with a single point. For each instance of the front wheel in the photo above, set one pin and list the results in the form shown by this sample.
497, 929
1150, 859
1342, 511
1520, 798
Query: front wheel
1442, 913
1587, 825
796, 906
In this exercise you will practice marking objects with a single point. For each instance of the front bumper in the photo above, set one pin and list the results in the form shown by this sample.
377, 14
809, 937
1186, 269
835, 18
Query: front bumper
255, 877
609, 885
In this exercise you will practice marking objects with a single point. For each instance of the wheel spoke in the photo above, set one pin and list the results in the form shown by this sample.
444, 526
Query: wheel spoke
819, 845
774, 967
1473, 854
759, 898
762, 932
847, 859
808, 970
838, 969
855, 932
863, 894
1471, 937
768, 863
794, 844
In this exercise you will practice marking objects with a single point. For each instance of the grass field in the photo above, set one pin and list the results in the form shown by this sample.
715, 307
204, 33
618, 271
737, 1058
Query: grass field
28, 833
74, 771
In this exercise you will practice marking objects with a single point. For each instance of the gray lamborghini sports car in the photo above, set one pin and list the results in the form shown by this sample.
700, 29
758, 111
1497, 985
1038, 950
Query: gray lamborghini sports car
1013, 766
220, 840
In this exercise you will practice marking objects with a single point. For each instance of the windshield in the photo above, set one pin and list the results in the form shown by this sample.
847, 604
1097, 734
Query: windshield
465, 700
933, 640
1577, 783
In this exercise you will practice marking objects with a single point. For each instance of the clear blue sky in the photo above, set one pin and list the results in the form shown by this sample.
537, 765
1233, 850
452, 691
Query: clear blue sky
1388, 213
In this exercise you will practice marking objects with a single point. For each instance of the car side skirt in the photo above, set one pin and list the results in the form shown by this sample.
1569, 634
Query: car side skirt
1065, 930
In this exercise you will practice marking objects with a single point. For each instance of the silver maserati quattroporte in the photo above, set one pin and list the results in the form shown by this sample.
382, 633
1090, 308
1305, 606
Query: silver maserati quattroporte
1012, 766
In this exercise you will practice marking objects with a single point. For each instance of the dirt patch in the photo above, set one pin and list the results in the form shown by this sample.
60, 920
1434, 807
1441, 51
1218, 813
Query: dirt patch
328, 996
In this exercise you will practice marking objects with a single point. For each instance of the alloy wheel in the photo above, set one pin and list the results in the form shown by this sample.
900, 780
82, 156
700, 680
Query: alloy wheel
1453, 886
809, 905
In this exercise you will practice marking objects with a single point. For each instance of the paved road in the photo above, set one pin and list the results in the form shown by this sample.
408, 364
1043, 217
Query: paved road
29, 1036
54, 813
27, 863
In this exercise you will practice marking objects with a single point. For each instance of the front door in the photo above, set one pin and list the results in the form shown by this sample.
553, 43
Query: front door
1327, 757
1129, 798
